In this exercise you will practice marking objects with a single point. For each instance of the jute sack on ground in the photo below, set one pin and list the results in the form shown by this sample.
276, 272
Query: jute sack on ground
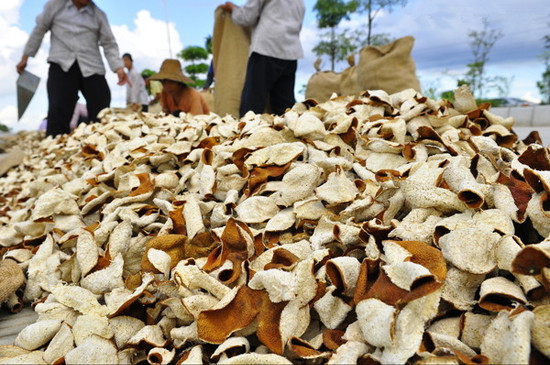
322, 84
230, 45
348, 82
389, 67
11, 278
208, 96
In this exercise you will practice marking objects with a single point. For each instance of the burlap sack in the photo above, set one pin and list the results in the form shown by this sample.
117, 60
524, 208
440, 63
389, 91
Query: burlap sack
11, 278
389, 67
208, 96
348, 82
230, 45
322, 84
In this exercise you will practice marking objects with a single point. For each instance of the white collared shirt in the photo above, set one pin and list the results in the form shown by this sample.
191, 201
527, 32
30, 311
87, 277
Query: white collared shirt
276, 26
76, 35
136, 93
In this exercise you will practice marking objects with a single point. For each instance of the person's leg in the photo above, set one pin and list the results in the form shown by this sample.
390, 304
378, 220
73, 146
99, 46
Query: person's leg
282, 89
62, 96
256, 85
97, 94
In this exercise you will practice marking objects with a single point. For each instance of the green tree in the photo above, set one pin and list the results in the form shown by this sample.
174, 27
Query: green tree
373, 9
481, 43
329, 14
544, 84
194, 54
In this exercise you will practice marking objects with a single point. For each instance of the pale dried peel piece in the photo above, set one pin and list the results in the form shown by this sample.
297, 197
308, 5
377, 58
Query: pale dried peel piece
337, 189
124, 327
444, 343
460, 288
417, 225
332, 310
193, 356
460, 179
34, 357
233, 345
60, 345
105, 280
119, 238
256, 209
42, 272
79, 299
478, 258
294, 321
37, 334
159, 355
409, 328
279, 154
118, 299
474, 328
194, 278
281, 221
9, 351
450, 326
195, 304
406, 274
55, 201
192, 215
94, 350
297, 184
160, 260
376, 320
512, 330
306, 125
540, 332
88, 324
464, 101
539, 214
499, 293
279, 284
343, 273
311, 208
348, 353
87, 252
150, 334
256, 358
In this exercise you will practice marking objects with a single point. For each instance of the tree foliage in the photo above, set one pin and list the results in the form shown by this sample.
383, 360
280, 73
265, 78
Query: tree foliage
481, 43
544, 84
373, 8
194, 54
337, 43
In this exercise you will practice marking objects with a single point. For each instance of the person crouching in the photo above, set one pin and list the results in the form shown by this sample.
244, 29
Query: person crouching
177, 96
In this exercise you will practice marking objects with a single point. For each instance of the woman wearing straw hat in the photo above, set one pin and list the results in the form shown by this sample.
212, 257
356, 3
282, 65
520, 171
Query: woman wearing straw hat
176, 95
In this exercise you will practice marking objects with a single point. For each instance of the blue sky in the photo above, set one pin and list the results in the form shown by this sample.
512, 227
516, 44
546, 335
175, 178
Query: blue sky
440, 28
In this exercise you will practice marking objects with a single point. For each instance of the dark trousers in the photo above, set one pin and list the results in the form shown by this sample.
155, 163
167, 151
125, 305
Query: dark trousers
268, 79
63, 88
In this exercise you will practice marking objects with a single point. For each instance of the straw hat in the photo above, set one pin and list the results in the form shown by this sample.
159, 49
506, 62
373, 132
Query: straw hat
171, 70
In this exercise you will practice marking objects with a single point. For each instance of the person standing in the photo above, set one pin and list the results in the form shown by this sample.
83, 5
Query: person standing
78, 28
136, 93
275, 48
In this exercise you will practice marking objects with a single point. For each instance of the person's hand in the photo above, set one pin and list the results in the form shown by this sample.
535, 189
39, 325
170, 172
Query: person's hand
228, 6
122, 77
20, 67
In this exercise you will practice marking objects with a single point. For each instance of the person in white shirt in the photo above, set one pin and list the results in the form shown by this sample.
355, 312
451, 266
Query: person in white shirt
77, 29
275, 48
136, 93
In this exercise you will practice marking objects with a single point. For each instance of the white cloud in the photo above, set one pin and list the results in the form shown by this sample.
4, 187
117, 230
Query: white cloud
147, 43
